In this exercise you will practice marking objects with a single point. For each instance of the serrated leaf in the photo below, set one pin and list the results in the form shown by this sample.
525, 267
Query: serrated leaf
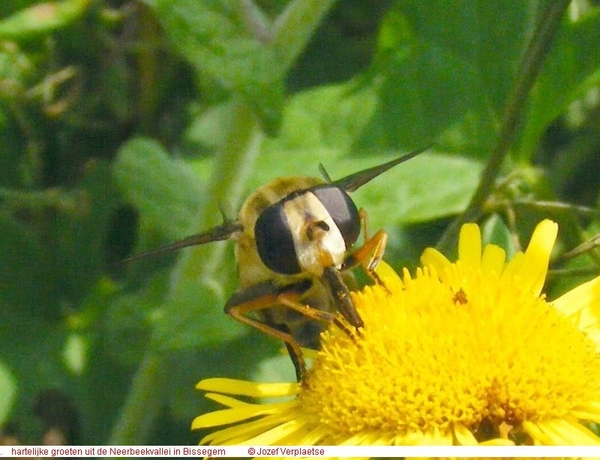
165, 190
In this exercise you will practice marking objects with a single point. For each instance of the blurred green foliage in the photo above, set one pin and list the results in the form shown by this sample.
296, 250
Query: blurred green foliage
125, 125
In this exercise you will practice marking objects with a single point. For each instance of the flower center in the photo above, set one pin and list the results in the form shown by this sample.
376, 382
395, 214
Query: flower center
475, 350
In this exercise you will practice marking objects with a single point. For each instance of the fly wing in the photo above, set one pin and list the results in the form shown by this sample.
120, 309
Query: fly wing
218, 233
354, 181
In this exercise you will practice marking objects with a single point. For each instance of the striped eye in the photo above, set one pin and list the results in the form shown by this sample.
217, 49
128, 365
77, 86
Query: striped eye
275, 241
286, 228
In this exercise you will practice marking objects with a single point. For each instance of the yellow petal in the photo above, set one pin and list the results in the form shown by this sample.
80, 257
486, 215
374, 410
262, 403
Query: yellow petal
384, 270
275, 435
538, 253
226, 416
239, 434
492, 260
394, 384
584, 296
539, 435
469, 246
227, 400
464, 436
433, 257
245, 388
564, 432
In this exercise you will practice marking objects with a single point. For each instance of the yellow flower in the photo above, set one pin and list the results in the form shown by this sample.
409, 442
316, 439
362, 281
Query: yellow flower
461, 353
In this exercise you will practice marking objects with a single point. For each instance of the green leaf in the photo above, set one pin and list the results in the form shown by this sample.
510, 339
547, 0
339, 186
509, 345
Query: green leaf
419, 190
212, 38
318, 125
195, 319
8, 391
41, 19
132, 318
321, 126
165, 190
328, 117
445, 70
572, 68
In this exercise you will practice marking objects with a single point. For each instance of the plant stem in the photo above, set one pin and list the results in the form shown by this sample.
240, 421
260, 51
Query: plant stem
531, 66
143, 404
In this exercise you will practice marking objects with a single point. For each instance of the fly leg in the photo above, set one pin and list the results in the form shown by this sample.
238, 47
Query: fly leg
245, 306
370, 253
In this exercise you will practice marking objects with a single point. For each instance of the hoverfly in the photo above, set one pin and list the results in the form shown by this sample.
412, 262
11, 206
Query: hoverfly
293, 240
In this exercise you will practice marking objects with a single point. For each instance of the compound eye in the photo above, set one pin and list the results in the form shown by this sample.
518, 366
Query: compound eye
342, 210
275, 242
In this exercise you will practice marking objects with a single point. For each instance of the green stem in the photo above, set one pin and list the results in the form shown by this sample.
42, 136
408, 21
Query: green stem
531, 66
143, 404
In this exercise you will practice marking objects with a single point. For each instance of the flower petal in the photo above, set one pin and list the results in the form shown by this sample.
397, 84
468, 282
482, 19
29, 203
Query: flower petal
237, 414
277, 434
561, 432
384, 270
469, 246
582, 305
537, 255
492, 260
464, 436
433, 257
245, 388
239, 434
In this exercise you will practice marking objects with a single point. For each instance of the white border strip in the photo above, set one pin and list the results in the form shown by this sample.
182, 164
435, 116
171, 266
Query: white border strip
299, 451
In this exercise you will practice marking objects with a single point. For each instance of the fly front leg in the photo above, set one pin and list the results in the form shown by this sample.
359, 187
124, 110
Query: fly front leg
369, 254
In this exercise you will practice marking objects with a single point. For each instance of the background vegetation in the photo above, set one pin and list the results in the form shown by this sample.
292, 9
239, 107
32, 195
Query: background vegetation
125, 124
